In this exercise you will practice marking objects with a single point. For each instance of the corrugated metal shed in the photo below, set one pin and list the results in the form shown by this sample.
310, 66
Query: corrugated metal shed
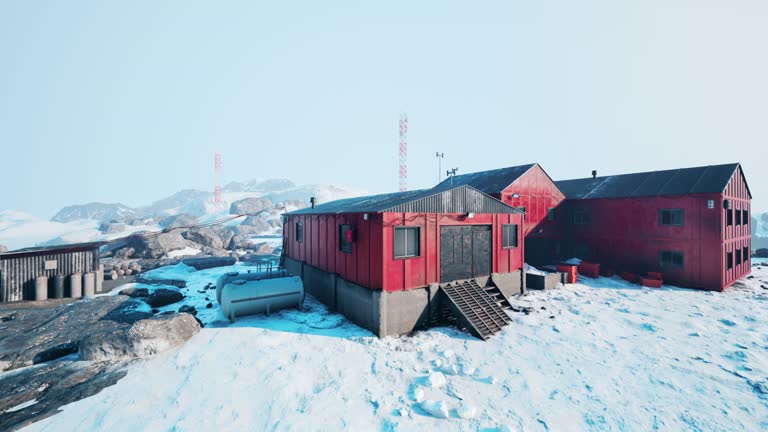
458, 199
697, 180
489, 182
20, 268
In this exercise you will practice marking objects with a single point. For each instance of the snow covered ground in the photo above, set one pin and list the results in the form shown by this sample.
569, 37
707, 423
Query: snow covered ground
600, 355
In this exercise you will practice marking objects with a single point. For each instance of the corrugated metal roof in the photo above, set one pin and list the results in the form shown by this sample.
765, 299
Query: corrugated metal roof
45, 250
457, 199
683, 181
490, 182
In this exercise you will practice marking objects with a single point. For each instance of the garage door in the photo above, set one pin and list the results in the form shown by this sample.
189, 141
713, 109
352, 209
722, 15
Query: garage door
465, 252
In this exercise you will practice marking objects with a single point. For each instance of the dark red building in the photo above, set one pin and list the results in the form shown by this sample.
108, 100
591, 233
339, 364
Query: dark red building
374, 258
690, 224
529, 188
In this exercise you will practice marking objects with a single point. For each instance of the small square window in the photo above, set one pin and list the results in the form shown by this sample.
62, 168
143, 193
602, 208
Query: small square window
671, 217
581, 217
671, 259
550, 214
710, 204
509, 236
407, 242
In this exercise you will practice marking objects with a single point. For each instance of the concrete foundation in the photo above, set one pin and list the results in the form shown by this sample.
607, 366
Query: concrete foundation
383, 313
510, 284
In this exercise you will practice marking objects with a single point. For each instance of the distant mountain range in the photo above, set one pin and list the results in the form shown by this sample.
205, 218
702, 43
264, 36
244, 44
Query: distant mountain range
760, 231
81, 222
201, 203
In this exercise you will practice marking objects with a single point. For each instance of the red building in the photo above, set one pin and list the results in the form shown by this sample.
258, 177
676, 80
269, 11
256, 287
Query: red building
690, 224
531, 189
374, 258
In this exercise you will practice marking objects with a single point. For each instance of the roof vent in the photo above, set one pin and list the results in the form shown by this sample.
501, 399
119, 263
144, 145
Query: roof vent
594, 173
312, 202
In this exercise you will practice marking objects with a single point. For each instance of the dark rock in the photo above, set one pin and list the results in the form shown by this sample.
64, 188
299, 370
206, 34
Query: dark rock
55, 352
9, 317
205, 237
207, 299
203, 263
143, 339
135, 292
155, 310
163, 297
188, 309
250, 206
199, 322
209, 305
178, 283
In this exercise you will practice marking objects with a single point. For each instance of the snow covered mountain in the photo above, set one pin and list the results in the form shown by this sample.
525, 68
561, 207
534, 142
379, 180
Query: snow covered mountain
760, 231
95, 211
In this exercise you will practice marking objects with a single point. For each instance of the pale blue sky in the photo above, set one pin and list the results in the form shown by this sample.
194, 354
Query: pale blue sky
127, 101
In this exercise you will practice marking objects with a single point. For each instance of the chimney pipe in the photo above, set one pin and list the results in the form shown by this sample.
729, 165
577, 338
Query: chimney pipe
312, 202
594, 173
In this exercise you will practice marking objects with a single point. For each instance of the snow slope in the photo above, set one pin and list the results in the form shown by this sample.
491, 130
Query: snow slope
600, 355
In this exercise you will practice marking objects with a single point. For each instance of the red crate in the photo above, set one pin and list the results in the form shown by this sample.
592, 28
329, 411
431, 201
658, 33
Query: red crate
655, 275
651, 283
589, 269
630, 277
570, 270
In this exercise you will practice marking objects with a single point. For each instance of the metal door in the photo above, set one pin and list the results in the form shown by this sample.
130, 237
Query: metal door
465, 252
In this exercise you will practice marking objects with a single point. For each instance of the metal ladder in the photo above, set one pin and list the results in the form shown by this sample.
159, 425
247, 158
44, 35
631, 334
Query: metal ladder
476, 309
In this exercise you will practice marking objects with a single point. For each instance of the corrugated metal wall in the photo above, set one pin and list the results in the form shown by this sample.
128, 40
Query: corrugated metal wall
459, 200
18, 274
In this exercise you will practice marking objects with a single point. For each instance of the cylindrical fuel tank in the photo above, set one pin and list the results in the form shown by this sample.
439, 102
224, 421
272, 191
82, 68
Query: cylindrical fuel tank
76, 285
231, 276
58, 286
240, 297
89, 284
41, 288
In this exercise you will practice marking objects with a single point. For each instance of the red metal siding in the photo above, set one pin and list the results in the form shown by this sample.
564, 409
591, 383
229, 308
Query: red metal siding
404, 274
320, 247
537, 193
735, 236
625, 234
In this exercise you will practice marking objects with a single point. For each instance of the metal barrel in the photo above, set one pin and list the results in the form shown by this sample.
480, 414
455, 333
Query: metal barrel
89, 284
58, 286
76, 285
41, 288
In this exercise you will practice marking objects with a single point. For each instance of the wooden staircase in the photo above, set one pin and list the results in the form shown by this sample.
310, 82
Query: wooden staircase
477, 309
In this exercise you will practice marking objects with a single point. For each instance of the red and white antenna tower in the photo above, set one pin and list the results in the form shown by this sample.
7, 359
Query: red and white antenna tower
403, 152
216, 173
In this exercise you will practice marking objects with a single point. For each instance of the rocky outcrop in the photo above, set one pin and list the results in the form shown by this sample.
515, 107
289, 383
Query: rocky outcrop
180, 220
143, 339
761, 253
250, 206
3, 249
79, 349
97, 211
111, 228
155, 246
205, 237
163, 297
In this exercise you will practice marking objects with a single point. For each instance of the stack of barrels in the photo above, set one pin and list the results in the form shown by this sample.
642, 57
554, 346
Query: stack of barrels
80, 285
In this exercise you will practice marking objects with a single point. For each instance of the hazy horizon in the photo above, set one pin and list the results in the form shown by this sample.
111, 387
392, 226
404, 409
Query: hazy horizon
128, 102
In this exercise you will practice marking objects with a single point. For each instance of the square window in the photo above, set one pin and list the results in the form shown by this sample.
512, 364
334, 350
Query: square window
671, 217
509, 236
710, 204
299, 232
407, 242
346, 236
550, 214
671, 259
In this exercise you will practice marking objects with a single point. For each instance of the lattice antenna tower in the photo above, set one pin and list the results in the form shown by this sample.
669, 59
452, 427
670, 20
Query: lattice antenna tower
403, 152
216, 175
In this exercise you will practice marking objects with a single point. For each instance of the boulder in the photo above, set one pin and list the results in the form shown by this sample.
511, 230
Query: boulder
180, 220
163, 297
204, 236
761, 253
154, 246
250, 206
240, 241
135, 292
188, 309
111, 228
143, 339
